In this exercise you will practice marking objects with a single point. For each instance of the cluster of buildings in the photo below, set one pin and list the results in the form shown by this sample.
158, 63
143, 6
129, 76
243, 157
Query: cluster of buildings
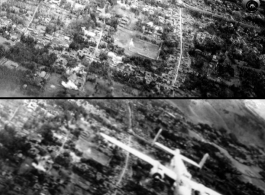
74, 5
59, 39
76, 77
153, 30
37, 29
130, 3
92, 35
160, 17
4, 22
20, 111
9, 29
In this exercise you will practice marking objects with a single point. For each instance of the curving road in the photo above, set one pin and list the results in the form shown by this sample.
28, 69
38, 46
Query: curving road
181, 48
181, 5
126, 164
128, 154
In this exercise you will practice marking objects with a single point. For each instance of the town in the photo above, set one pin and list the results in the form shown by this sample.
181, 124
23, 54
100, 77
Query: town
130, 48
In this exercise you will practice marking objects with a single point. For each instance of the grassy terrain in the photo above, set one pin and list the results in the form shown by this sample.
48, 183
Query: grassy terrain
53, 86
145, 48
123, 37
229, 114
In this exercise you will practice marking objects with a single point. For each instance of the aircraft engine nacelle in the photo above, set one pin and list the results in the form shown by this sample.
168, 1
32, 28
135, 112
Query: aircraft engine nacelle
157, 173
251, 5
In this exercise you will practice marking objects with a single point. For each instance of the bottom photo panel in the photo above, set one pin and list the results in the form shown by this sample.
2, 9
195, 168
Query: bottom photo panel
132, 147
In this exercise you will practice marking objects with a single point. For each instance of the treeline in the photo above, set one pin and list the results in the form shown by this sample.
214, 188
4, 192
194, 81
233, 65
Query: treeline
15, 80
80, 43
253, 82
10, 142
29, 56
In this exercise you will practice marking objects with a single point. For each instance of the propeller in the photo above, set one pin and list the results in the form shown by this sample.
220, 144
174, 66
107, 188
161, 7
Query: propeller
145, 181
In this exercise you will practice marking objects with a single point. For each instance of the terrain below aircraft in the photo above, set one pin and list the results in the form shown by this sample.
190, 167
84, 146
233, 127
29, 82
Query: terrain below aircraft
177, 171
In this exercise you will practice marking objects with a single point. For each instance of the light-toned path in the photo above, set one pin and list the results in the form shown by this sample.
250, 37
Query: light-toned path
181, 50
128, 154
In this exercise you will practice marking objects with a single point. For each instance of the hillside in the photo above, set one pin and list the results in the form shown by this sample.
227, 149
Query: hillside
240, 117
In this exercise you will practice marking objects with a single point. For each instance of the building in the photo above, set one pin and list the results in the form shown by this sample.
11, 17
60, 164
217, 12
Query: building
43, 75
57, 2
115, 59
123, 21
61, 62
88, 33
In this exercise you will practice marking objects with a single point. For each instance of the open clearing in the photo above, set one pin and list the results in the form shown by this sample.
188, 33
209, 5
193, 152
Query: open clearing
144, 48
123, 37
53, 85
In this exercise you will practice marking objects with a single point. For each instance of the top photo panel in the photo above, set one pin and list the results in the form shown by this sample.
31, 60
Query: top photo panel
132, 48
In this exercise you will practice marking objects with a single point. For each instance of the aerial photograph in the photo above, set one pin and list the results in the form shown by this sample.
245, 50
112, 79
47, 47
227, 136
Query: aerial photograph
132, 147
132, 48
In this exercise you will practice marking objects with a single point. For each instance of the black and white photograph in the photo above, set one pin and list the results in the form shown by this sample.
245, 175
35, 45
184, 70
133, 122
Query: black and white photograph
132, 48
132, 147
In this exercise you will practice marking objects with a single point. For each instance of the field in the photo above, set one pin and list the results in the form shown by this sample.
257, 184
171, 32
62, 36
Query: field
53, 86
11, 65
120, 92
89, 88
3, 40
123, 37
144, 48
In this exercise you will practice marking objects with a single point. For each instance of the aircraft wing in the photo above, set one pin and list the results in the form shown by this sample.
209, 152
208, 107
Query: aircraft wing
170, 173
131, 150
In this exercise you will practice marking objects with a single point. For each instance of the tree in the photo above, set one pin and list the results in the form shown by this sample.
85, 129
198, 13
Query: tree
50, 29
93, 18
30, 65
64, 159
59, 22
113, 2
120, 51
2, 51
63, 2
67, 6
10, 140
71, 62
103, 56
29, 41
135, 11
74, 45
114, 22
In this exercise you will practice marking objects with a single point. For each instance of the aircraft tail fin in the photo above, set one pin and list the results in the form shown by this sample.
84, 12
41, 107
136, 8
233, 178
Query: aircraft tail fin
200, 165
157, 135
203, 160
